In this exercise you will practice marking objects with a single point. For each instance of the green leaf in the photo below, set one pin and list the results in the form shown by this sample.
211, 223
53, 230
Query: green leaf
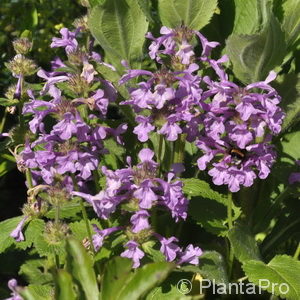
8, 102
247, 16
144, 279
35, 271
243, 243
79, 228
32, 231
288, 87
6, 227
211, 266
6, 166
195, 14
116, 275
207, 206
155, 254
64, 286
290, 147
67, 210
254, 56
82, 269
282, 269
37, 292
291, 21
120, 27
146, 8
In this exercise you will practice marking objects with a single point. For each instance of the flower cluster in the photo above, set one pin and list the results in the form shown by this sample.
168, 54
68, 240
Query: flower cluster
73, 145
139, 189
237, 131
231, 125
171, 98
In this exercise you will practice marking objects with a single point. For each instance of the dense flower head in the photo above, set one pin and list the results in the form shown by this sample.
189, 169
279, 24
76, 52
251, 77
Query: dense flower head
237, 131
178, 43
167, 101
140, 186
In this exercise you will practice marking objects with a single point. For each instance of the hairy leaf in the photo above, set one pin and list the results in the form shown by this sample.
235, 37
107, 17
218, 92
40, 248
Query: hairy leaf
120, 27
254, 56
193, 13
243, 243
82, 269
282, 269
116, 275
144, 279
291, 21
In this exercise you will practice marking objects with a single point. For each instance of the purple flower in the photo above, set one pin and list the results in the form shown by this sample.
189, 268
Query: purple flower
190, 255
145, 194
17, 232
66, 127
140, 221
143, 129
168, 248
103, 204
170, 129
13, 285
98, 238
68, 40
134, 253
236, 119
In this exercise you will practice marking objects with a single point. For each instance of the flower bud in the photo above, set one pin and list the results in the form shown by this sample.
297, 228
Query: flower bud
81, 23
35, 209
20, 65
78, 85
55, 232
22, 45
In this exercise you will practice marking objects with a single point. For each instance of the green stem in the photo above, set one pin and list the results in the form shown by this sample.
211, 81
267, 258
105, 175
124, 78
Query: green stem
56, 220
230, 225
179, 149
20, 105
297, 252
29, 178
84, 215
229, 210
159, 158
3, 121
87, 224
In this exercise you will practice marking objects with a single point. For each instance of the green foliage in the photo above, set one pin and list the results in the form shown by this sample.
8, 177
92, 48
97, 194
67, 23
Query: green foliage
117, 274
80, 264
37, 292
36, 271
64, 286
193, 13
144, 279
291, 21
253, 56
288, 86
6, 227
243, 243
282, 269
120, 27
207, 206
